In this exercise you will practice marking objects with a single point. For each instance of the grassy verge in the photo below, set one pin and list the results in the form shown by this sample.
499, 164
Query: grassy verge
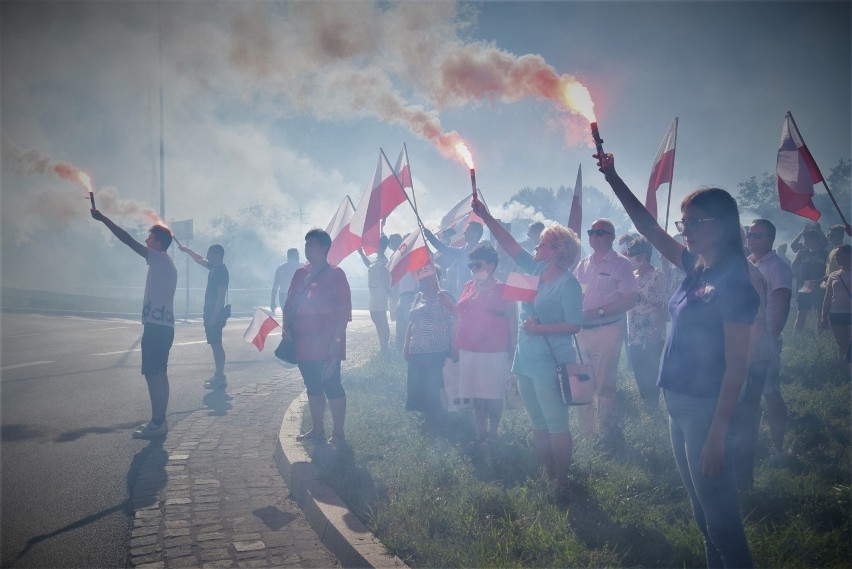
440, 501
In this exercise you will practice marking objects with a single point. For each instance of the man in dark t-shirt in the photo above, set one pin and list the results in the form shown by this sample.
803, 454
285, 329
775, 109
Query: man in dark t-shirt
215, 311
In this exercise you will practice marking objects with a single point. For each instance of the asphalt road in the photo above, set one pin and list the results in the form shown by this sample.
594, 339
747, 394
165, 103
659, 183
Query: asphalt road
71, 395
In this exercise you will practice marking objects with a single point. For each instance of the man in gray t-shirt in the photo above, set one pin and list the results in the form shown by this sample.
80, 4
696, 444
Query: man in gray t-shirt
157, 319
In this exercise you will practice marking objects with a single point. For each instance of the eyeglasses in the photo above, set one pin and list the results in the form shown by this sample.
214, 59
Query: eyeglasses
599, 232
475, 265
691, 224
751, 235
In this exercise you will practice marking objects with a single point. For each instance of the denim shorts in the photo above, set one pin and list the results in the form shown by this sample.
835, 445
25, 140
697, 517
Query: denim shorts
544, 403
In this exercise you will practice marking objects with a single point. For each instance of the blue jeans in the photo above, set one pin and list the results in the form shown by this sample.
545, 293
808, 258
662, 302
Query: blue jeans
715, 504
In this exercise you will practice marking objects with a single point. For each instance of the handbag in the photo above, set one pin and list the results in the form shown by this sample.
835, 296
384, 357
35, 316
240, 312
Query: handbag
286, 350
576, 385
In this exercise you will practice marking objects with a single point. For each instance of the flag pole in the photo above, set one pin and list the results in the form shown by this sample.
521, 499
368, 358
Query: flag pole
822, 178
837, 207
669, 200
416, 215
408, 161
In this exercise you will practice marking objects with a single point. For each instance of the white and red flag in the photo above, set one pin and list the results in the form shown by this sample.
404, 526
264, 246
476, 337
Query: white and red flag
403, 169
459, 217
797, 172
376, 204
575, 217
410, 256
343, 241
520, 286
262, 323
663, 170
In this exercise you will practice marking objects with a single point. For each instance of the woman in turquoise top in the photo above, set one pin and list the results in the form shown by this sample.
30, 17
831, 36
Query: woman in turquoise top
554, 317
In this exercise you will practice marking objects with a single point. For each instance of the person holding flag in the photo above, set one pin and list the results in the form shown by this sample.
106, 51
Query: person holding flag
545, 332
427, 345
317, 311
456, 257
378, 281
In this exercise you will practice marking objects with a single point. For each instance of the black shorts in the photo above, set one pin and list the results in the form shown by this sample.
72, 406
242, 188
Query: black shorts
156, 343
322, 379
213, 333
840, 318
810, 300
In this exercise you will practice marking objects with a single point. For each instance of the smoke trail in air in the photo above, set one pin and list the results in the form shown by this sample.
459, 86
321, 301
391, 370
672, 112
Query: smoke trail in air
35, 161
399, 62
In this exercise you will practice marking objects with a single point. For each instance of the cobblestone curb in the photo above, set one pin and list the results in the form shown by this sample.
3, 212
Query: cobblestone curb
338, 528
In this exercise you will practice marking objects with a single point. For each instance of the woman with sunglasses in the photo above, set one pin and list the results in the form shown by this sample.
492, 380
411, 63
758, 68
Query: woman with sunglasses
485, 341
549, 322
705, 358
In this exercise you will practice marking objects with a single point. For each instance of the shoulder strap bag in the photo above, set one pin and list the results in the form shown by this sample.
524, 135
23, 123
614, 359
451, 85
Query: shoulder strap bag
286, 350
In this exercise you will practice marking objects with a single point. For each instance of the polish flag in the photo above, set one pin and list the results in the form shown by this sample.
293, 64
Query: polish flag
797, 172
459, 217
262, 323
575, 217
520, 286
376, 204
343, 241
663, 170
403, 169
410, 256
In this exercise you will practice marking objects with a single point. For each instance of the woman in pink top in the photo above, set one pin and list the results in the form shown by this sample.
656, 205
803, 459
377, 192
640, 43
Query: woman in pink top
486, 334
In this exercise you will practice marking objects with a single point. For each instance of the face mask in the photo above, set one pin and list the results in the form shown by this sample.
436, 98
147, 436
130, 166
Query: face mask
480, 277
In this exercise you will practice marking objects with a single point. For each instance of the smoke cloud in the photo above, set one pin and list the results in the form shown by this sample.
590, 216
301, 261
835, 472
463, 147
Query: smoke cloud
58, 207
401, 63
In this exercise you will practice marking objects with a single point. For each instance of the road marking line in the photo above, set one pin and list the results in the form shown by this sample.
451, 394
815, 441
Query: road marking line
103, 329
118, 352
22, 335
16, 366
190, 343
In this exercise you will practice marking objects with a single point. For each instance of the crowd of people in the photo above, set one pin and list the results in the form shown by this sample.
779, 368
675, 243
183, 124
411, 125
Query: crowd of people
704, 330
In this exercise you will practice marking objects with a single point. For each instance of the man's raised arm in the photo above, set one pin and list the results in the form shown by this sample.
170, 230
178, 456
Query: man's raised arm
120, 233
195, 256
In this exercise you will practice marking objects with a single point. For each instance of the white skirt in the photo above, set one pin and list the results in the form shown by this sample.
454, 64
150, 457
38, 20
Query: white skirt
483, 375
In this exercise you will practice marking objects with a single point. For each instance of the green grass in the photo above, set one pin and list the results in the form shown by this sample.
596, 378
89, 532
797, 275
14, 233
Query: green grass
443, 502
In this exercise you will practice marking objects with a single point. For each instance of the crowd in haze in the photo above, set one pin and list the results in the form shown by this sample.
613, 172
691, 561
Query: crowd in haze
704, 328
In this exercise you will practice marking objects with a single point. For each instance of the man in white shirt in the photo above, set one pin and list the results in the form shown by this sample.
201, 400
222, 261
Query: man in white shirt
158, 319
609, 291
779, 280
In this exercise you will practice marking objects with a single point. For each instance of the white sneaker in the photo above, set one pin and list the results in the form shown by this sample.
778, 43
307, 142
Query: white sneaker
216, 382
151, 431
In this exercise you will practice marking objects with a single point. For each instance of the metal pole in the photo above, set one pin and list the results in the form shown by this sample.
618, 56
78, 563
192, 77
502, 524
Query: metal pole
186, 314
162, 142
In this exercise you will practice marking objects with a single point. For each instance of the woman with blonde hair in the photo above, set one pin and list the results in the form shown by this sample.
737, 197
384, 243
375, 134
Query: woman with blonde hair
548, 323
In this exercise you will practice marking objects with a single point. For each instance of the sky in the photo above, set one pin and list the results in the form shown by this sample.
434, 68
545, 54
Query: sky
286, 105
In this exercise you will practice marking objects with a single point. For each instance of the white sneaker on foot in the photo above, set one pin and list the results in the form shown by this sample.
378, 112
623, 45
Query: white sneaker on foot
216, 382
151, 431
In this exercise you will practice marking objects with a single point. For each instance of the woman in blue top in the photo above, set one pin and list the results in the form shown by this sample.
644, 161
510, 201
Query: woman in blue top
554, 316
704, 361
